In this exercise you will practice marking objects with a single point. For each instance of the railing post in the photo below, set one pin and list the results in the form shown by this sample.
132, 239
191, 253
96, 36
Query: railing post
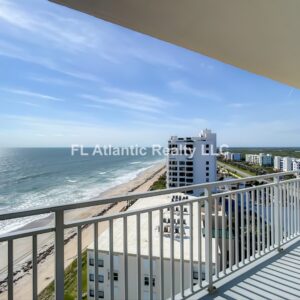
277, 223
59, 254
208, 240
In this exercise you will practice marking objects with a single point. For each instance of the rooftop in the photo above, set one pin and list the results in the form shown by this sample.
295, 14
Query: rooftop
103, 241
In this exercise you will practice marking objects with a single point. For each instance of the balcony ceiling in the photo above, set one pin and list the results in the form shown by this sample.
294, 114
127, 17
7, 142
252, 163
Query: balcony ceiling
261, 36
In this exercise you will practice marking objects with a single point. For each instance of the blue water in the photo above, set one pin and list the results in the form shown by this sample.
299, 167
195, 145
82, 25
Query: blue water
31, 178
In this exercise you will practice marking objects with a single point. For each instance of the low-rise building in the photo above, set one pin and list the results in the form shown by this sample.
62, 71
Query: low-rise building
232, 156
118, 250
261, 159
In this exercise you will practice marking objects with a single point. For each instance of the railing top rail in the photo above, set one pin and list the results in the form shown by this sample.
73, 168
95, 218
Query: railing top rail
134, 196
163, 206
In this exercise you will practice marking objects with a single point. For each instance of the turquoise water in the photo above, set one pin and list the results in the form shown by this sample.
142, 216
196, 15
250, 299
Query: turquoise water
31, 178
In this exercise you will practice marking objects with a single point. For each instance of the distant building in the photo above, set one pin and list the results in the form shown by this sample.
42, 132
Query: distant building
285, 164
261, 159
233, 156
296, 164
192, 160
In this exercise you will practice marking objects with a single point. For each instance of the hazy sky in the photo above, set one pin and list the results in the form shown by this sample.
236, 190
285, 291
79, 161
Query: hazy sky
67, 78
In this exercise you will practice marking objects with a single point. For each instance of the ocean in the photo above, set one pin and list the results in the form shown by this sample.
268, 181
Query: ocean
38, 177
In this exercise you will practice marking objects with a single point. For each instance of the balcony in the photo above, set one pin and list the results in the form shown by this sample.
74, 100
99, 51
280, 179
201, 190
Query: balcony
233, 244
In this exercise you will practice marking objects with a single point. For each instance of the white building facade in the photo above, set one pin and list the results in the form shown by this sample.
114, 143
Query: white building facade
285, 164
233, 156
103, 285
192, 160
261, 159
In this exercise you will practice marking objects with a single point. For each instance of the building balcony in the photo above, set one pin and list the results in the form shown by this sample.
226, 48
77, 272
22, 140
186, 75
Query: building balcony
237, 244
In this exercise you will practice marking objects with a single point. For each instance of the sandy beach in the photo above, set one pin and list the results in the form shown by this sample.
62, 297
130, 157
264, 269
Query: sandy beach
22, 247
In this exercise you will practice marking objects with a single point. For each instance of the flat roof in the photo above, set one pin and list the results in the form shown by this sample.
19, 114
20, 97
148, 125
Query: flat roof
103, 241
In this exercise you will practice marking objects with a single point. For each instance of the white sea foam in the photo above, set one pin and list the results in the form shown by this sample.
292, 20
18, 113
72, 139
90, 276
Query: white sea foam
84, 190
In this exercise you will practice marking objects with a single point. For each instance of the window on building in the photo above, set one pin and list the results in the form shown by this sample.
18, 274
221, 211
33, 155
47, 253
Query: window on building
207, 163
91, 277
116, 276
92, 293
101, 294
195, 275
100, 278
207, 151
101, 263
207, 179
147, 281
207, 168
182, 163
207, 174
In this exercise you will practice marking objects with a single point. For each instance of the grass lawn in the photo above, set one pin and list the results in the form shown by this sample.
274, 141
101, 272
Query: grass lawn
70, 282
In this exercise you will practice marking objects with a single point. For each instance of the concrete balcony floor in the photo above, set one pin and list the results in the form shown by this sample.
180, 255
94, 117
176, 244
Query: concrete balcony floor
275, 276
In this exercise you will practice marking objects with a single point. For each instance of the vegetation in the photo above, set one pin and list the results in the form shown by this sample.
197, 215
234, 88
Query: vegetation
160, 184
249, 168
70, 282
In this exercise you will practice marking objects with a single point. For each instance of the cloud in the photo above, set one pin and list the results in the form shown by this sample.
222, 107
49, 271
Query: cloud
131, 100
182, 87
239, 105
33, 94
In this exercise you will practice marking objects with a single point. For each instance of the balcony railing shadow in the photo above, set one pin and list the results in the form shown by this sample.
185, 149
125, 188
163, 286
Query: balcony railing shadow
276, 277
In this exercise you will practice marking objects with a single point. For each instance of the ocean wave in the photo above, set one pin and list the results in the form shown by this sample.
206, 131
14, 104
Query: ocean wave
85, 189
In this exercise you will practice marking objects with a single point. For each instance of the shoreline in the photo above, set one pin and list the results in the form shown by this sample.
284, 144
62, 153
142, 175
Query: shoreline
22, 262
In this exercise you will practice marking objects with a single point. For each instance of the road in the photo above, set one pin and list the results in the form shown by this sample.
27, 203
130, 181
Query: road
233, 169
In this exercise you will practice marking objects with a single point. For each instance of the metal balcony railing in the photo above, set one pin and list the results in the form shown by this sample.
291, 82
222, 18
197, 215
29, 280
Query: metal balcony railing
224, 230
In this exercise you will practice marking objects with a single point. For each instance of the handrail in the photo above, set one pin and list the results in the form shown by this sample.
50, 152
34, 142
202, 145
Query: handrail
133, 196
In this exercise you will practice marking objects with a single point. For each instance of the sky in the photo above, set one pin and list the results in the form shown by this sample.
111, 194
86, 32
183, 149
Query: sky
69, 78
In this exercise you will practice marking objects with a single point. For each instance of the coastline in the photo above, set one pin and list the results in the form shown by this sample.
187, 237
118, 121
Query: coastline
22, 251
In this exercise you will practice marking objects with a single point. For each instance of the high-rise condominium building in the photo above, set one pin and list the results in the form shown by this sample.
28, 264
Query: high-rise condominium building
192, 160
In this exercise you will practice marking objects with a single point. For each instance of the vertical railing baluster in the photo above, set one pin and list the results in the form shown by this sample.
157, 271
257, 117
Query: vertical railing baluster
79, 264
230, 232
258, 220
284, 237
181, 253
272, 193
253, 223
111, 258
236, 228
281, 222
217, 267
191, 247
242, 230
125, 258
288, 215
10, 269
150, 253
248, 226
208, 239
34, 268
277, 209
294, 209
268, 216
59, 254
172, 253
161, 244
96, 263
263, 219
138, 245
200, 245
224, 248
